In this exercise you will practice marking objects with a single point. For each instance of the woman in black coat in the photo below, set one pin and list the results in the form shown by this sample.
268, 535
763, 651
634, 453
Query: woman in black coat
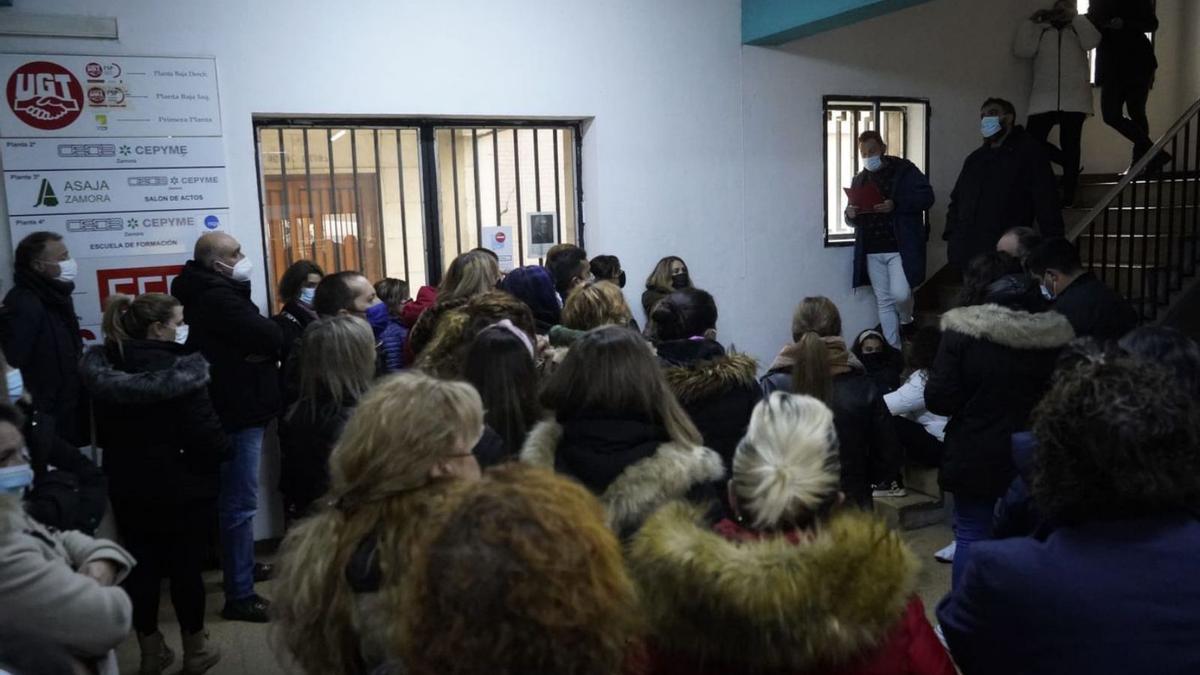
819, 365
337, 355
163, 445
997, 353
718, 390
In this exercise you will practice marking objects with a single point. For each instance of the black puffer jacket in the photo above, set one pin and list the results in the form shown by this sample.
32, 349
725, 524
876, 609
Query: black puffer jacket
41, 337
867, 442
162, 439
992, 368
69, 491
240, 344
306, 437
718, 390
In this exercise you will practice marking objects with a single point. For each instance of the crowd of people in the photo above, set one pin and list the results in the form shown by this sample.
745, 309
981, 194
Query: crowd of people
509, 472
506, 472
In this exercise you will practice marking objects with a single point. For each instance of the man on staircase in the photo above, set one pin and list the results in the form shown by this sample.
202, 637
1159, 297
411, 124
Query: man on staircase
1005, 183
1093, 309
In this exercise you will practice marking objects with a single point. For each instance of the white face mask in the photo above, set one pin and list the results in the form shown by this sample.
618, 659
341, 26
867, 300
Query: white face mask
240, 271
873, 163
16, 384
181, 333
67, 269
307, 295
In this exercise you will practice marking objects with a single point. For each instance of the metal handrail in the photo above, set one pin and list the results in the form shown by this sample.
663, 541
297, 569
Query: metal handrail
1134, 172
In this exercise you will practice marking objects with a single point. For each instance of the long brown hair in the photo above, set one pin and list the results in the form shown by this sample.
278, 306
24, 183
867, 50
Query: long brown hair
127, 317
815, 318
611, 372
380, 482
660, 278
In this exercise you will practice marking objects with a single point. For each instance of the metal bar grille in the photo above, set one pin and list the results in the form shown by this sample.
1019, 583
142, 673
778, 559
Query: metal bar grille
349, 191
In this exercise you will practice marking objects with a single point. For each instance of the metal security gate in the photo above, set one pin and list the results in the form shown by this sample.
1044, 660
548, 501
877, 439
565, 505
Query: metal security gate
402, 198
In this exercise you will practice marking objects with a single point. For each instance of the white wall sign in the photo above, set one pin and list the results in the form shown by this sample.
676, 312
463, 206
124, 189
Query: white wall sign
500, 240
123, 156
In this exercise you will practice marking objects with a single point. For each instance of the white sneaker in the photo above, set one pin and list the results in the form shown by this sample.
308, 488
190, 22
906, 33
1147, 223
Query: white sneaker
946, 555
893, 489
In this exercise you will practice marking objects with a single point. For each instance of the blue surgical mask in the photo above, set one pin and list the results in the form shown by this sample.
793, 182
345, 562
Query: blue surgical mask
990, 126
14, 480
873, 163
307, 295
16, 384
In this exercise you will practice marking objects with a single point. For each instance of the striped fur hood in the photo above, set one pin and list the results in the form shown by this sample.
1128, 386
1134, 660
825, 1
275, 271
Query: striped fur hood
1012, 328
770, 603
702, 379
643, 486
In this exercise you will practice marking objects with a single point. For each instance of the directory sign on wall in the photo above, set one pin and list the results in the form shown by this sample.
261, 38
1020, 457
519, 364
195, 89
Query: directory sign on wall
122, 156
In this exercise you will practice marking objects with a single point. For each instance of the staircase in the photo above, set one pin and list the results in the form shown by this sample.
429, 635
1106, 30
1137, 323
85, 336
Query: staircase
1138, 233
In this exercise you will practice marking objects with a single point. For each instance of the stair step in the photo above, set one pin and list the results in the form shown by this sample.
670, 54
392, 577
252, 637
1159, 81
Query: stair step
1139, 220
923, 479
915, 511
1150, 248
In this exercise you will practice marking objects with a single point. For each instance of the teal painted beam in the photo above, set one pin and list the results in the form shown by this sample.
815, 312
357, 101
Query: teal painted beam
774, 22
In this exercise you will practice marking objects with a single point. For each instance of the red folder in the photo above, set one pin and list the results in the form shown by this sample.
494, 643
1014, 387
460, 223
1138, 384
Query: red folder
865, 197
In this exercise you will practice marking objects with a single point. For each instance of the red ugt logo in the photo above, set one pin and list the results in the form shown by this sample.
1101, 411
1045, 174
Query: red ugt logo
44, 95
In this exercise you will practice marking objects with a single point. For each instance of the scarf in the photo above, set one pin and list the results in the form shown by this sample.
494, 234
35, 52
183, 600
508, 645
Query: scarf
841, 361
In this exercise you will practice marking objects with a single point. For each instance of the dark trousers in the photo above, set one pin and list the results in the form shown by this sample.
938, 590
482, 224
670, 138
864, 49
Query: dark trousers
1118, 97
917, 444
1070, 134
167, 541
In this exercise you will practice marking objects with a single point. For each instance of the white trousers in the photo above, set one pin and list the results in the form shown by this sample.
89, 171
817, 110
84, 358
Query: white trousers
892, 294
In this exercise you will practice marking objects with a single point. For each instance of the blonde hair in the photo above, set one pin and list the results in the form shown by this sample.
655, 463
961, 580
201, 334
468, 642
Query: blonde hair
381, 485
595, 304
127, 317
786, 470
660, 278
337, 357
470, 274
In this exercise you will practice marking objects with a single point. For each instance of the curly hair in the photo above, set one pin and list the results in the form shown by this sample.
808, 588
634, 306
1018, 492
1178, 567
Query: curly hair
1116, 438
520, 576
446, 354
595, 304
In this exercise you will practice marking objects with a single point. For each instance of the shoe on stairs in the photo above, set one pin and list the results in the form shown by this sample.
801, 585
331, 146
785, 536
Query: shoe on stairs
199, 653
252, 609
156, 655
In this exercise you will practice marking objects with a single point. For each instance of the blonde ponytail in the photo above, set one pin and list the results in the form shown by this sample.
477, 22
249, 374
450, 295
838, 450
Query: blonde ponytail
810, 374
113, 324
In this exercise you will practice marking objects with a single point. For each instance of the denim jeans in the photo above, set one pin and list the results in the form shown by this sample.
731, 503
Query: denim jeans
236, 506
893, 295
972, 524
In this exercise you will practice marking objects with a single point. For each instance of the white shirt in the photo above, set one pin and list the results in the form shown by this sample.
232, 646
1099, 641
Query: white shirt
909, 402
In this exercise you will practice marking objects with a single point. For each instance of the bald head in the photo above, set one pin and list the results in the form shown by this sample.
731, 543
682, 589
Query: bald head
217, 246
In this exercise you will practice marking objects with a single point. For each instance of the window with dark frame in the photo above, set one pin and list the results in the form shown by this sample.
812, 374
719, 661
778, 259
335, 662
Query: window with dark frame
902, 122
402, 197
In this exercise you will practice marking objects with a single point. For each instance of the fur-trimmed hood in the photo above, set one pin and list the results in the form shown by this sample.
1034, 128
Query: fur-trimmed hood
702, 379
641, 487
771, 603
1010, 327
108, 383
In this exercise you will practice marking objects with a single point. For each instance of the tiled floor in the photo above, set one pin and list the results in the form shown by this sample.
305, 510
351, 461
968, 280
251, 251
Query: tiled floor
247, 647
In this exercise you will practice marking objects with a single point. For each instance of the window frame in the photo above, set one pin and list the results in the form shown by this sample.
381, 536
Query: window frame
426, 127
877, 104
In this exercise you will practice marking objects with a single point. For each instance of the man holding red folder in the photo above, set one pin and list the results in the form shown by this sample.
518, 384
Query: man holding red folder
888, 200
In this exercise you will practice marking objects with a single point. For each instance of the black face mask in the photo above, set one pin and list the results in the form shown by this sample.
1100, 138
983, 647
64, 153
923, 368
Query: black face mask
680, 280
621, 279
875, 361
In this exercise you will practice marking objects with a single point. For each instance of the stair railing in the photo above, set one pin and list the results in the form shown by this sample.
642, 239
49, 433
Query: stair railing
1141, 238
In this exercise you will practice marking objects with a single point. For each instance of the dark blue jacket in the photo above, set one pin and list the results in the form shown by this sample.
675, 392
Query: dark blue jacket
912, 195
391, 336
1101, 598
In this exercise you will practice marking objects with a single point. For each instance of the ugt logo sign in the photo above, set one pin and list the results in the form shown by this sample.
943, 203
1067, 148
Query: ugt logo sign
44, 95
136, 280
